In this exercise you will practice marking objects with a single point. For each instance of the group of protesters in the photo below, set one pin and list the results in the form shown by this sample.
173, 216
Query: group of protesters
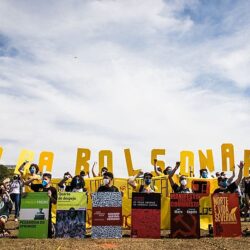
11, 189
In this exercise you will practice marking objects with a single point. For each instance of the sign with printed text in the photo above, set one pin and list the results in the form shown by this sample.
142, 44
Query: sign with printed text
185, 217
226, 215
107, 215
34, 215
146, 215
71, 215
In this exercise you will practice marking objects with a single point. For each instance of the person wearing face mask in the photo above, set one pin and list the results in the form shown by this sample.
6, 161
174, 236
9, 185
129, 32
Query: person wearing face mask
52, 193
77, 184
64, 184
157, 170
224, 187
108, 183
168, 170
146, 187
84, 175
182, 188
103, 171
246, 193
204, 173
31, 176
15, 193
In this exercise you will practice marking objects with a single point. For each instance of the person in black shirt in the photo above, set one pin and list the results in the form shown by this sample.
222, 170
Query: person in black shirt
246, 188
231, 188
107, 183
182, 188
52, 193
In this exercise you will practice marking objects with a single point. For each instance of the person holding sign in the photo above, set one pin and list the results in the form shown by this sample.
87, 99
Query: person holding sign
231, 188
108, 183
52, 193
147, 187
182, 188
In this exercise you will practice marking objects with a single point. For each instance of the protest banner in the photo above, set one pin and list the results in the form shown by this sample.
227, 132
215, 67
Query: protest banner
185, 217
146, 215
34, 215
226, 215
107, 215
71, 215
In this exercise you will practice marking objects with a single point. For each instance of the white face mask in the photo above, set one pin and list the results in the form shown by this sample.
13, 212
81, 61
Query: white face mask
105, 181
77, 190
184, 182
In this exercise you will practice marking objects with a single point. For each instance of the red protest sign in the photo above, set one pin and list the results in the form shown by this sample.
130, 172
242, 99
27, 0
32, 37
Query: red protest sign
146, 215
226, 215
185, 217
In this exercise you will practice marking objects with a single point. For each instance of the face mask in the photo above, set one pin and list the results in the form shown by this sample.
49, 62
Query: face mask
184, 182
32, 170
204, 174
169, 172
77, 190
147, 181
44, 183
105, 181
223, 184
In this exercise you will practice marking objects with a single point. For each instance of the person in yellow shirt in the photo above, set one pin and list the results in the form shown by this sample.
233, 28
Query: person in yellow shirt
146, 187
31, 176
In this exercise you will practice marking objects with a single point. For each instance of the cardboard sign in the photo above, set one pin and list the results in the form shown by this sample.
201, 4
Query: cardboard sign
34, 216
226, 215
146, 215
106, 215
71, 215
185, 217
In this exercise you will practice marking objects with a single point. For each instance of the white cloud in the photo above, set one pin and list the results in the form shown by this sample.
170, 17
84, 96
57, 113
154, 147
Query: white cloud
117, 74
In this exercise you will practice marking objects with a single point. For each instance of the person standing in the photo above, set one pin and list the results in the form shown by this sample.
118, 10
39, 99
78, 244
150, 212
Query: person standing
15, 193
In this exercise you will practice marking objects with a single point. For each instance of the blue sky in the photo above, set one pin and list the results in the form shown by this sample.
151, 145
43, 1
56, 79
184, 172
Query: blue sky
124, 74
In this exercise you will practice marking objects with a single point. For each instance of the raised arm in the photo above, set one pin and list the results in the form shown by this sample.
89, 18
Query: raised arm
20, 169
131, 180
155, 168
237, 182
230, 179
177, 165
30, 180
93, 172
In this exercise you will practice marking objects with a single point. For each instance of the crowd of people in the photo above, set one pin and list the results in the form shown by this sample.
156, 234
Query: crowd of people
11, 188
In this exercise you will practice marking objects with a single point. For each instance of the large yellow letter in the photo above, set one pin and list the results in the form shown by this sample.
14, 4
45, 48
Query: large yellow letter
247, 163
82, 160
25, 155
1, 152
154, 154
109, 163
227, 156
187, 161
206, 162
131, 171
46, 161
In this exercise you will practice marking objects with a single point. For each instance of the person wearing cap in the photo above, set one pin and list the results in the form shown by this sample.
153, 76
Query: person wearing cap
224, 187
103, 170
108, 183
31, 176
146, 187
182, 188
52, 193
